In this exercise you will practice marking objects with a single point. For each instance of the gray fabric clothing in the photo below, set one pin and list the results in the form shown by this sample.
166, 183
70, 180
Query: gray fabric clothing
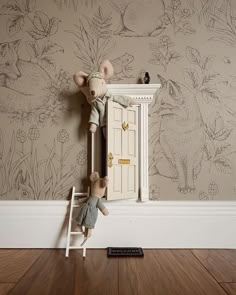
88, 212
98, 107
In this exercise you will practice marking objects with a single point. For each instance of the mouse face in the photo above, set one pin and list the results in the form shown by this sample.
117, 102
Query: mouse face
97, 88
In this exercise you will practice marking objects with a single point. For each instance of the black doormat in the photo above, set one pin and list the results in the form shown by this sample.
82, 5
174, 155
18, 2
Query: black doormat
124, 252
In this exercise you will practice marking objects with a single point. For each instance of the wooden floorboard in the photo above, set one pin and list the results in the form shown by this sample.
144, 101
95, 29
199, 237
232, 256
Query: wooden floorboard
99, 274
166, 272
5, 288
220, 263
14, 263
230, 288
160, 272
53, 274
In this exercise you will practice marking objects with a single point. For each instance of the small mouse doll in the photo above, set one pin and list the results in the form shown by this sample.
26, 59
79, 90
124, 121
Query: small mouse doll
88, 211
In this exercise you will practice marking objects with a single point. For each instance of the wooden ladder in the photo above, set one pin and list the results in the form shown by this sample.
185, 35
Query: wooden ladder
72, 205
70, 233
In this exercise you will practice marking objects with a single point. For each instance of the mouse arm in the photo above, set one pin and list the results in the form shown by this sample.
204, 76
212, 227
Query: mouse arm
102, 208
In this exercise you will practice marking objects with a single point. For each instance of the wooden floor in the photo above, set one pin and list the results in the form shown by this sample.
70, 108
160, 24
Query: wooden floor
167, 272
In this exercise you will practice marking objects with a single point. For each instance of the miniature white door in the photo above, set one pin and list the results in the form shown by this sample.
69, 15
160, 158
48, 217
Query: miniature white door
122, 151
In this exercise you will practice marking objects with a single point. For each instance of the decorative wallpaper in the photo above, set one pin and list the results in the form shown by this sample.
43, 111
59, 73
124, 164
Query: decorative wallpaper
186, 45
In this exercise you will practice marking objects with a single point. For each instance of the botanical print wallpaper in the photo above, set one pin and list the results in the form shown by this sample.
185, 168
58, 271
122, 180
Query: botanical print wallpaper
186, 45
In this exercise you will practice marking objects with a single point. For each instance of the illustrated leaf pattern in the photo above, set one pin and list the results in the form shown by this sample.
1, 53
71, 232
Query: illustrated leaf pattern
218, 123
50, 48
47, 62
223, 134
217, 130
222, 149
101, 25
209, 78
26, 6
41, 21
32, 48
186, 28
15, 23
161, 53
43, 26
223, 165
210, 94
220, 21
1, 144
37, 35
192, 76
29, 5
42, 49
193, 55
206, 62
47, 173
53, 25
11, 7
158, 31
196, 6
91, 44
209, 149
17, 164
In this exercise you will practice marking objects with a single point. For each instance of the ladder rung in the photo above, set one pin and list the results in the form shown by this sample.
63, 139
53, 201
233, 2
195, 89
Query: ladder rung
76, 233
76, 247
81, 194
75, 206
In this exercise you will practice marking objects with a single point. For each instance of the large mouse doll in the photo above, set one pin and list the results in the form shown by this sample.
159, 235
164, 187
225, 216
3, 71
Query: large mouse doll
94, 87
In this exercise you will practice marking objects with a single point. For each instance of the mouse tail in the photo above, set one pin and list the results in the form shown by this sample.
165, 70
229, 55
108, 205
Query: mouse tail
84, 241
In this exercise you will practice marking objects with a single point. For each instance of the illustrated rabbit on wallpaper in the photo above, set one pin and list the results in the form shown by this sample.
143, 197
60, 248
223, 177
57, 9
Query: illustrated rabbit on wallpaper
20, 188
94, 87
181, 135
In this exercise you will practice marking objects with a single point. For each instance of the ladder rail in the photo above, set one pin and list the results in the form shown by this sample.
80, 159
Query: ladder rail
92, 152
70, 219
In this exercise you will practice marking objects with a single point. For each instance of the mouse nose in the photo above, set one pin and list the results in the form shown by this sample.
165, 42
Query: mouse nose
93, 92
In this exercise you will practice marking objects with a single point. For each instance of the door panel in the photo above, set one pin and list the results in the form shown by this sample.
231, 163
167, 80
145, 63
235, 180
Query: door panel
117, 176
117, 114
131, 116
131, 143
117, 139
122, 151
131, 178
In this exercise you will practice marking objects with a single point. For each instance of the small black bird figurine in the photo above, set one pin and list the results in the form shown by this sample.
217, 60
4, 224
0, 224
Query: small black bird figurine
146, 78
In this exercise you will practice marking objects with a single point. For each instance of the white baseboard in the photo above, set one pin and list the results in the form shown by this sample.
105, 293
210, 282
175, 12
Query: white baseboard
179, 224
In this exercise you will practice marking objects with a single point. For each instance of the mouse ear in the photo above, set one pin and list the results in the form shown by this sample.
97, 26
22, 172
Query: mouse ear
94, 176
106, 69
80, 78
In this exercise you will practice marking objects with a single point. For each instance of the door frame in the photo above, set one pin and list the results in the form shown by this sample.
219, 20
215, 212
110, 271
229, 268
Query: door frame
143, 95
